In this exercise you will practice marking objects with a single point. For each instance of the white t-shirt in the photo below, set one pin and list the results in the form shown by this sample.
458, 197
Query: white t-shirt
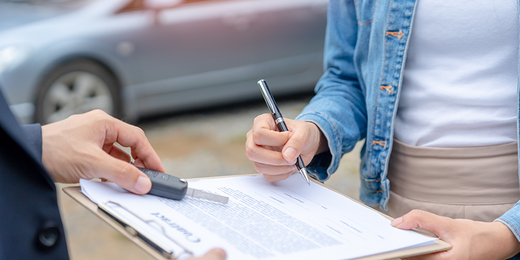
460, 78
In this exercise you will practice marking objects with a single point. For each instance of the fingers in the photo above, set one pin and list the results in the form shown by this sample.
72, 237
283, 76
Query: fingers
275, 178
82, 147
294, 146
213, 254
422, 219
117, 153
264, 142
265, 154
274, 153
115, 168
268, 161
274, 169
123, 174
134, 137
265, 133
427, 221
433, 256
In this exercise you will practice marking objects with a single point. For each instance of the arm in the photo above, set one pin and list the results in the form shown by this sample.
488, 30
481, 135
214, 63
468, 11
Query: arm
331, 124
338, 108
33, 133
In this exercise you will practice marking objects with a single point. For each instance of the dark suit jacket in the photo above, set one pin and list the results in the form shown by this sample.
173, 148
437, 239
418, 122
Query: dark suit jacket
30, 223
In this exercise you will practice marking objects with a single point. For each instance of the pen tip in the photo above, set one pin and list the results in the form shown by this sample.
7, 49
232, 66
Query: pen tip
305, 175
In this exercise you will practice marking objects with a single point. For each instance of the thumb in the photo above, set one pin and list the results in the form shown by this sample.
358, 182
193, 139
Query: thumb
293, 147
124, 174
213, 254
421, 219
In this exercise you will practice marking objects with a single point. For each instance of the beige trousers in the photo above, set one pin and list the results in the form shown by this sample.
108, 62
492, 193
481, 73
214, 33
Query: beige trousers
478, 183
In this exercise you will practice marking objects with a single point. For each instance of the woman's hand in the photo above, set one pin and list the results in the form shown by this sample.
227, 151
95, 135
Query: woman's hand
469, 239
82, 147
274, 153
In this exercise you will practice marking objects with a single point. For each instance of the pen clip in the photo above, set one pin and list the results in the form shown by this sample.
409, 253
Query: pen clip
142, 234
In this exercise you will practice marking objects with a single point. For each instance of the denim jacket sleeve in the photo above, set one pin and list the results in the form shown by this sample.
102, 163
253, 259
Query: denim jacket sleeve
512, 220
338, 108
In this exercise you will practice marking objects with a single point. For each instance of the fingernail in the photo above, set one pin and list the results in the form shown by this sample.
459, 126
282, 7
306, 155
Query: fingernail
397, 221
143, 185
289, 154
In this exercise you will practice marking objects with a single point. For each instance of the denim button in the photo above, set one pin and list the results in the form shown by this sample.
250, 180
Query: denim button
48, 235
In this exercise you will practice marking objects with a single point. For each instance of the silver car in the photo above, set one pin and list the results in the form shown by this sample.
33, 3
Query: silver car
134, 58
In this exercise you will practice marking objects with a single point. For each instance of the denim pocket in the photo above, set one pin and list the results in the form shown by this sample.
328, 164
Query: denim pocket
365, 10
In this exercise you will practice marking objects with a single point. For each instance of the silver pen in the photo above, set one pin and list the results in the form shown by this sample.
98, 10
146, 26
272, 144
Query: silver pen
280, 123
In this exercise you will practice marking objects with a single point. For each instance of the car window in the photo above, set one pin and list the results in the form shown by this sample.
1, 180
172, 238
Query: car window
49, 2
65, 5
195, 1
133, 6
151, 4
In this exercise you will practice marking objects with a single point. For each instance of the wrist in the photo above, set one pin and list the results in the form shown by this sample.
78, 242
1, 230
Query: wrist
48, 152
505, 240
322, 143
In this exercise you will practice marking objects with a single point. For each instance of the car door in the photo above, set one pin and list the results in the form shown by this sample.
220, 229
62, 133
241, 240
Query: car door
197, 44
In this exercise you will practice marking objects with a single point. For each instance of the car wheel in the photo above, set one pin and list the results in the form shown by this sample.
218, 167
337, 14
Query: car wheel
77, 87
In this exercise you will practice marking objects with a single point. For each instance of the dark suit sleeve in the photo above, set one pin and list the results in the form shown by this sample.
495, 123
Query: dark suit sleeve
30, 220
30, 223
33, 133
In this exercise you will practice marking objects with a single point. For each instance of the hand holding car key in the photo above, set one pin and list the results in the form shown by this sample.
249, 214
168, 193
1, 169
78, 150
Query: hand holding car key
169, 186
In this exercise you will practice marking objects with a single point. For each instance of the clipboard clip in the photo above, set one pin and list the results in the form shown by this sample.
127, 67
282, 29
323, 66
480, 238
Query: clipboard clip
142, 234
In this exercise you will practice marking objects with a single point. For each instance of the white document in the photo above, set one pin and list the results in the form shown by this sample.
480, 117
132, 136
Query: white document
283, 220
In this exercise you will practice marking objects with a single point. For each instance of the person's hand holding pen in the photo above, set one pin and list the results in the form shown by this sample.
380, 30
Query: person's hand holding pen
274, 153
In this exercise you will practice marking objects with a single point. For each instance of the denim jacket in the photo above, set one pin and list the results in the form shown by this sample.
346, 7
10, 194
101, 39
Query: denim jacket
357, 97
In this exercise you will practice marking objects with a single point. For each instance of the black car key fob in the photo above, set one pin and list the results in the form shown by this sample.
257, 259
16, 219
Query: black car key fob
171, 187
165, 185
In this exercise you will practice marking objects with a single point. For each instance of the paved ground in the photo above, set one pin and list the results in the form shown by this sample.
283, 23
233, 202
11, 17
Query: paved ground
198, 144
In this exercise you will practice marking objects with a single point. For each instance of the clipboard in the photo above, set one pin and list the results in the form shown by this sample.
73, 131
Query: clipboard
153, 246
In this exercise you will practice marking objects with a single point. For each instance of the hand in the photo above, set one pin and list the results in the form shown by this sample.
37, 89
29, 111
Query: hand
213, 254
82, 147
274, 153
469, 239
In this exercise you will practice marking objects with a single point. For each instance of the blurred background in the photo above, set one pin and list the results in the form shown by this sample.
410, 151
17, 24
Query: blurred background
136, 58
183, 70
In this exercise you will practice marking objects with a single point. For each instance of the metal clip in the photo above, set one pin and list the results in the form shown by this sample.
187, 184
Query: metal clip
142, 234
